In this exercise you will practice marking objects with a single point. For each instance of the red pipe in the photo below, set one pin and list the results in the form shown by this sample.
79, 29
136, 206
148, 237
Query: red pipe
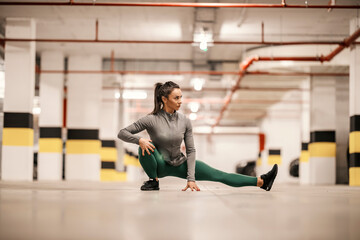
97, 30
211, 89
138, 72
243, 111
221, 101
297, 74
170, 4
248, 62
170, 42
189, 72
112, 61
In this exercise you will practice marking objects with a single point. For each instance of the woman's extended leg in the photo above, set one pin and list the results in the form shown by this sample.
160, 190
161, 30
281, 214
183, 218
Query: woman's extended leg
204, 172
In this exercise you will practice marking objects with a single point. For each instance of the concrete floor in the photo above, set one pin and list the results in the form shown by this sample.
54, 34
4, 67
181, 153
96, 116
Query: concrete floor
83, 210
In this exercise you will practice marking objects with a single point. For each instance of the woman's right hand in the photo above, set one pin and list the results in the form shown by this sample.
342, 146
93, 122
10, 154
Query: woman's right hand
146, 146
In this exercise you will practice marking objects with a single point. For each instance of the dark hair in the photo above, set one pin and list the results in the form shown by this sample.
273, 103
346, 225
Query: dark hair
160, 91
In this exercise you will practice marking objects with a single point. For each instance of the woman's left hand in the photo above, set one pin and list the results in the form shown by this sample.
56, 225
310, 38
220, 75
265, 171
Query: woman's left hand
192, 186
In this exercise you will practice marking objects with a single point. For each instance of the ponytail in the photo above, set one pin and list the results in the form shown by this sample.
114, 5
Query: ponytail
160, 91
157, 98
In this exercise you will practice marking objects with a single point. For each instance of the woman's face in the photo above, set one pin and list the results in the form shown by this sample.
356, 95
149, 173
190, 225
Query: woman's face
173, 101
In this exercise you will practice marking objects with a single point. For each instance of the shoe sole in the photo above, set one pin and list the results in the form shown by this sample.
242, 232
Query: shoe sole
156, 189
273, 179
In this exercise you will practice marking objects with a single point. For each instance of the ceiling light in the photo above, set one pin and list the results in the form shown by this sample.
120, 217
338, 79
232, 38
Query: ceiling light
117, 95
203, 38
203, 45
134, 94
287, 63
193, 116
198, 83
36, 110
194, 106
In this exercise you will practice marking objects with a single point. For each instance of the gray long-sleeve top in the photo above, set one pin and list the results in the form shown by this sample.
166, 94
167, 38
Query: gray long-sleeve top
167, 131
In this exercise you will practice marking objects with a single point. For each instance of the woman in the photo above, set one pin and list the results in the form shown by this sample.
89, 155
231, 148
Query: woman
160, 156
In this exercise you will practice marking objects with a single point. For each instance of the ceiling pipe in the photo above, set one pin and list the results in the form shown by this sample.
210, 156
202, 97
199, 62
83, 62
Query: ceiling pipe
96, 40
112, 61
297, 74
244, 101
249, 111
97, 30
221, 101
39, 71
184, 89
171, 4
246, 64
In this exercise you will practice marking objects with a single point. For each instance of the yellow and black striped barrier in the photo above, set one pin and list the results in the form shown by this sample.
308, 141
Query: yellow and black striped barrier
108, 162
304, 155
131, 160
83, 141
259, 161
50, 140
274, 157
18, 129
354, 151
322, 144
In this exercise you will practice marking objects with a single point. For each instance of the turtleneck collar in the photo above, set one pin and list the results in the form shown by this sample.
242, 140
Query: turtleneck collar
169, 115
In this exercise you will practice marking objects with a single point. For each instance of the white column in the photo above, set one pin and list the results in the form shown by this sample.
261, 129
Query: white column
304, 167
82, 160
18, 133
51, 117
322, 146
354, 86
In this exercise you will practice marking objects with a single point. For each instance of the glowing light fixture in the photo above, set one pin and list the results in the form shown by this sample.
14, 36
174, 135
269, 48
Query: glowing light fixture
36, 110
194, 106
134, 94
203, 45
117, 95
203, 38
193, 116
287, 63
203, 41
198, 83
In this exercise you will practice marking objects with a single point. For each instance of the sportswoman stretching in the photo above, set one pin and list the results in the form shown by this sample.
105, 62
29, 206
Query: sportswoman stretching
160, 156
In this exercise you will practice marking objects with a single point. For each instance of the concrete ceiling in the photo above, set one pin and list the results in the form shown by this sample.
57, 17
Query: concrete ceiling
180, 24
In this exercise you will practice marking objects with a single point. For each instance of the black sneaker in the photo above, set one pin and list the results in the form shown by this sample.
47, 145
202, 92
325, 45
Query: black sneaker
269, 178
150, 185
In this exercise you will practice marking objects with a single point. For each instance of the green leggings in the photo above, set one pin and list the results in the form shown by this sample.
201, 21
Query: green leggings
155, 167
